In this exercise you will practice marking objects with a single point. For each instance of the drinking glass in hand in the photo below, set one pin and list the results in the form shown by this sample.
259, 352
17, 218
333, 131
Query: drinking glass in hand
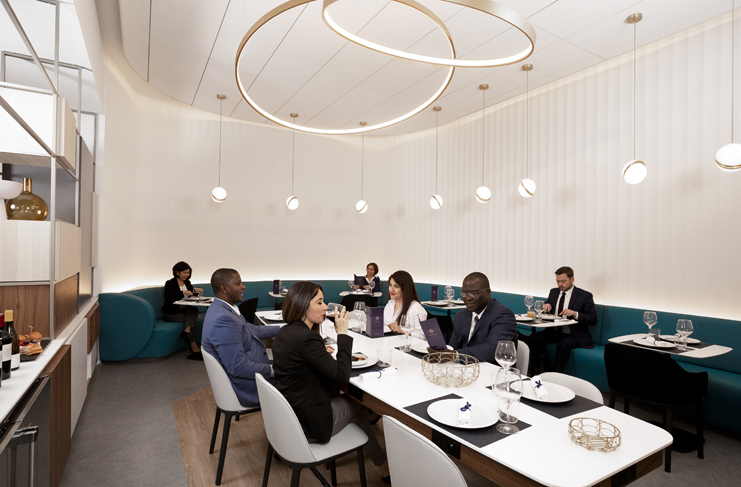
684, 330
539, 309
650, 319
506, 354
508, 388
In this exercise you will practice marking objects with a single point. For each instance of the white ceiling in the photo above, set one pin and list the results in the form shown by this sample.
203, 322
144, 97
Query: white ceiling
186, 49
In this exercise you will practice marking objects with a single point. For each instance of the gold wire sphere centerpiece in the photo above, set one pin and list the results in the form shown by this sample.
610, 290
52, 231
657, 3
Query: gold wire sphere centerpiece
595, 434
443, 370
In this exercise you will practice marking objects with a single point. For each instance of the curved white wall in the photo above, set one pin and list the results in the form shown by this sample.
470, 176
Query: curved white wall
667, 244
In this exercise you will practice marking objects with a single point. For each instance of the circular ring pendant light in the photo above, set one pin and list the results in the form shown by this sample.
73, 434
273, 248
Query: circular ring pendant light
314, 130
634, 171
489, 7
483, 194
218, 194
728, 157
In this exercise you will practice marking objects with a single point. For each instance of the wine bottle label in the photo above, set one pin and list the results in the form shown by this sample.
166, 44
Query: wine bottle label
7, 352
15, 361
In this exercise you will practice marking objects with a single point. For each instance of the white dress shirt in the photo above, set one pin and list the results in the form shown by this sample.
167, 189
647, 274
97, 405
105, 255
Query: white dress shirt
567, 299
473, 323
415, 315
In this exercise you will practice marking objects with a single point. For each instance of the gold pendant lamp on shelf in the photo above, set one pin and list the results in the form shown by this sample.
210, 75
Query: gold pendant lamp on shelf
436, 202
218, 194
527, 185
728, 157
634, 171
483, 194
362, 206
292, 201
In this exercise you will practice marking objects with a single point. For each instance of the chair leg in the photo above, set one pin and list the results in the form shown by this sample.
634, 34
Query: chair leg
295, 475
361, 467
216, 428
333, 472
224, 441
627, 406
668, 449
237, 417
700, 432
267, 466
612, 399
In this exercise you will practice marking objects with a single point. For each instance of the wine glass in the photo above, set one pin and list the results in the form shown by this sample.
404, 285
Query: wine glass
506, 354
650, 319
351, 283
357, 317
529, 302
508, 388
539, 309
449, 293
406, 327
371, 285
684, 329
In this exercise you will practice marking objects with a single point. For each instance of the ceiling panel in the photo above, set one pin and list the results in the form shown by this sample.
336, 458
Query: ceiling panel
567, 17
175, 72
135, 34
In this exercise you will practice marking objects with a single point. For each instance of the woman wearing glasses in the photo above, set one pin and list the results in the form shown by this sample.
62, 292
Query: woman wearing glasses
403, 301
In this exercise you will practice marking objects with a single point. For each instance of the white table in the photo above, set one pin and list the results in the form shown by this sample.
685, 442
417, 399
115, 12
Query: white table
542, 454
546, 323
356, 293
276, 296
261, 315
191, 302
707, 352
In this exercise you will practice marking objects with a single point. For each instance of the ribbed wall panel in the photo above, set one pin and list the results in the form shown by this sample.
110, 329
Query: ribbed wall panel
667, 244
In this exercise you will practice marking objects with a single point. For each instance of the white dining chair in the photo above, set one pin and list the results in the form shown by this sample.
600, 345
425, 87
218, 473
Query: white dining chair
226, 402
523, 357
414, 460
579, 386
286, 438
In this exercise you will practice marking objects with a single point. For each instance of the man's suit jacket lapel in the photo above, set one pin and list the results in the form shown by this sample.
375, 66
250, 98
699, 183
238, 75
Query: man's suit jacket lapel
481, 319
229, 309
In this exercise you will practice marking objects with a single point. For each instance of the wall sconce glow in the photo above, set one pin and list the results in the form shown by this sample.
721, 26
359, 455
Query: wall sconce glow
292, 202
527, 188
361, 206
483, 194
728, 158
218, 194
436, 202
634, 172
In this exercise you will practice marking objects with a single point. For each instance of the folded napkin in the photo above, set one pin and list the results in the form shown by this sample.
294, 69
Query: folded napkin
653, 339
538, 387
378, 373
464, 411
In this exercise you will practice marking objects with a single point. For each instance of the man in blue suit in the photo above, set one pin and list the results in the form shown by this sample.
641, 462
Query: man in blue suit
478, 329
576, 304
232, 341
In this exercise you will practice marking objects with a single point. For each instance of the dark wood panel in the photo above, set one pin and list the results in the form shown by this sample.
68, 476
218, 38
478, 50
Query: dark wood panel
60, 371
65, 303
30, 304
93, 326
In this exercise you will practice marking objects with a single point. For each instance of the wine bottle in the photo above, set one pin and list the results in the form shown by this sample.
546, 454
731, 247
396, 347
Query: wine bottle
15, 358
7, 350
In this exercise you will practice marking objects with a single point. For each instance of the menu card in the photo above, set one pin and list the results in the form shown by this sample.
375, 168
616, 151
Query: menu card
359, 280
374, 322
435, 292
433, 334
276, 286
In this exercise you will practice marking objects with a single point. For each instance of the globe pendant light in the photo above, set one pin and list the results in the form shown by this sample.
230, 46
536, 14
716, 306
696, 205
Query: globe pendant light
483, 194
436, 202
292, 201
527, 185
361, 206
634, 171
728, 157
218, 194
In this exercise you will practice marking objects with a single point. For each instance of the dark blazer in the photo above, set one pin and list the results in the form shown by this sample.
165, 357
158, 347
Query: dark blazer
583, 303
497, 322
173, 293
307, 375
236, 345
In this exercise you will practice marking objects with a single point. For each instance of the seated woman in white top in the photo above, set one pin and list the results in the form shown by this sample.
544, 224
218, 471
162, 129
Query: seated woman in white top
403, 301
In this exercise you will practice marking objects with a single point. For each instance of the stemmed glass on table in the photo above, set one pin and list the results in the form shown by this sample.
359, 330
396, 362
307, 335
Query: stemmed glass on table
539, 309
506, 354
405, 327
684, 330
650, 319
529, 302
449, 293
351, 283
371, 285
357, 318
508, 388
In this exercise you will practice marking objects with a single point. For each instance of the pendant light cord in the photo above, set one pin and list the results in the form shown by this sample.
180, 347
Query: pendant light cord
527, 120
362, 164
293, 158
221, 105
483, 135
733, 56
634, 91
437, 124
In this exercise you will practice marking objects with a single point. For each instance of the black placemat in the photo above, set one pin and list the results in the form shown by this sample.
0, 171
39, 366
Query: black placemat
363, 370
412, 353
479, 437
673, 351
386, 334
562, 409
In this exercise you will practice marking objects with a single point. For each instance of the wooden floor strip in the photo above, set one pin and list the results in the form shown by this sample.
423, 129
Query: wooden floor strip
245, 456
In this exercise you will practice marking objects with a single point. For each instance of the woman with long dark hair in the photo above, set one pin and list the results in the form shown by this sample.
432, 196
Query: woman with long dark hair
176, 289
404, 301
310, 378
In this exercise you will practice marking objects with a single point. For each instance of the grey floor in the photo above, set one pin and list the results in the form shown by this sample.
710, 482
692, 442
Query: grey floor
126, 434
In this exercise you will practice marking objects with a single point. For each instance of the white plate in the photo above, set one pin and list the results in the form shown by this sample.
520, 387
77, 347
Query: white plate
523, 318
643, 341
421, 347
548, 317
371, 360
671, 338
442, 302
274, 317
446, 412
458, 301
556, 393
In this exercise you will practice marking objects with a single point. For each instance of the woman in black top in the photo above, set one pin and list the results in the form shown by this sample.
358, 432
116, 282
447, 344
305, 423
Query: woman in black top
176, 289
310, 378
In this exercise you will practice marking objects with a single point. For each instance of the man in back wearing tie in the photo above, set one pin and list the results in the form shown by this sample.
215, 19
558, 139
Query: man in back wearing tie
576, 304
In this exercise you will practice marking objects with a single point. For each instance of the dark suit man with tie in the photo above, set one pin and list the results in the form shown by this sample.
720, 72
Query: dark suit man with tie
478, 329
576, 304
